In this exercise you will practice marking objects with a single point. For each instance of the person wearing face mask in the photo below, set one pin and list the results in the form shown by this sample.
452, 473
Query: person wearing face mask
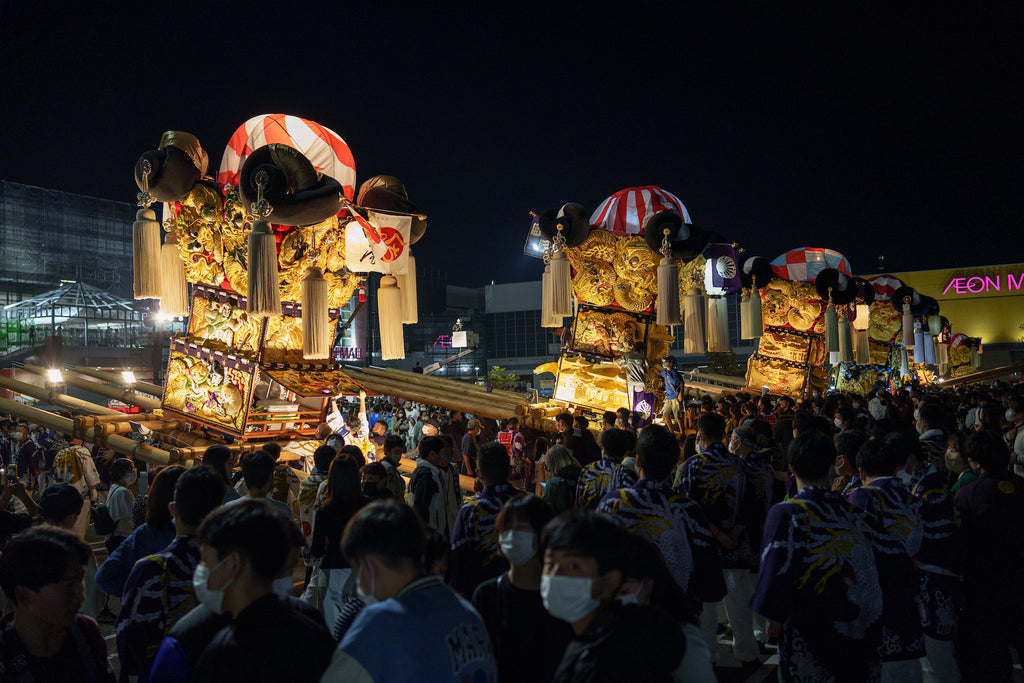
242, 550
648, 582
184, 643
585, 557
119, 501
848, 443
1014, 436
521, 468
528, 642
159, 589
373, 482
607, 474
475, 556
442, 637
394, 449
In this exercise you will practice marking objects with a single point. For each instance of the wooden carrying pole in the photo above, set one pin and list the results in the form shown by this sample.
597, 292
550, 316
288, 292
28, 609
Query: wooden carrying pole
54, 397
132, 398
498, 395
443, 398
113, 378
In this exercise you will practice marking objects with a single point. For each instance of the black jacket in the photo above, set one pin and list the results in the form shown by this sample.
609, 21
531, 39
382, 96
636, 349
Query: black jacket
624, 643
268, 641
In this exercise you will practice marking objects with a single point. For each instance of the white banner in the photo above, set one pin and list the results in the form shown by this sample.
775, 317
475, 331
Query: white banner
378, 244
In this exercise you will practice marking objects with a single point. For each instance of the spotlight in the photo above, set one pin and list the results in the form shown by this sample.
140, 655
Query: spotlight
54, 376
128, 377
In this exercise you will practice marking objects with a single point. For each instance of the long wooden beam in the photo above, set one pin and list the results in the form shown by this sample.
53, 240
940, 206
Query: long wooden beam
53, 397
144, 387
466, 388
429, 395
130, 397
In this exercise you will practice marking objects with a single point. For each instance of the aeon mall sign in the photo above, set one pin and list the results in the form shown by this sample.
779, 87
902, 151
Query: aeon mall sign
1007, 282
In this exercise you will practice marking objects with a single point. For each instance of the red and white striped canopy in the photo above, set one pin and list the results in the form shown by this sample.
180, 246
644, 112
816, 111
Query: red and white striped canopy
805, 264
958, 339
625, 211
322, 146
885, 286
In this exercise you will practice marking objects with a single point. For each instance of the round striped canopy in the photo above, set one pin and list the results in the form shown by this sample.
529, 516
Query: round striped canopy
625, 211
885, 286
804, 264
322, 146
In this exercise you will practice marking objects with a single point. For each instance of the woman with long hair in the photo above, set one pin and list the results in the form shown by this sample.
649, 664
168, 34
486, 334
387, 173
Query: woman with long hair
343, 501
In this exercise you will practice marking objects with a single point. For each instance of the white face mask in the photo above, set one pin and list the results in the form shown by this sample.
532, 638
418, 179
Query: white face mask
283, 587
367, 598
568, 597
838, 421
212, 600
130, 477
1010, 415
518, 546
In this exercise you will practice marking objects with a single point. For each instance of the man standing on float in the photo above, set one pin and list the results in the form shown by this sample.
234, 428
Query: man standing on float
672, 411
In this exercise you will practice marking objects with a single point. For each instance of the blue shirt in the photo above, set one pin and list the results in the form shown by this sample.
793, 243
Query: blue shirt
673, 383
430, 619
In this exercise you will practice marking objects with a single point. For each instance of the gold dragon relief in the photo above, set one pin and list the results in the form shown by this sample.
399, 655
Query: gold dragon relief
207, 390
224, 327
283, 342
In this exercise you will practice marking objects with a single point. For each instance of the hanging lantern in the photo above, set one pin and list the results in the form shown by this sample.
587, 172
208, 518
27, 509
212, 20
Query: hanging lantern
316, 320
918, 343
845, 338
146, 242
831, 328
908, 325
863, 345
929, 349
173, 287
693, 322
546, 318
264, 297
561, 278
389, 315
862, 320
410, 304
718, 324
756, 321
667, 309
942, 354
746, 331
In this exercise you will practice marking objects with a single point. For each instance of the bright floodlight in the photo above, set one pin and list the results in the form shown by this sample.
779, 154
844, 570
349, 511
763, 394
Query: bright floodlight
128, 376
54, 377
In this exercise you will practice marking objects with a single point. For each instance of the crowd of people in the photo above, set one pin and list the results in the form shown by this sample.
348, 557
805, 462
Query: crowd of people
863, 538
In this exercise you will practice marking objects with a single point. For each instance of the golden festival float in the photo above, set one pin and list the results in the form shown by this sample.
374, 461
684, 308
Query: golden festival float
619, 284
278, 240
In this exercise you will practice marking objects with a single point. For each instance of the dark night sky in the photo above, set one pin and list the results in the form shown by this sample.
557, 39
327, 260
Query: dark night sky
894, 132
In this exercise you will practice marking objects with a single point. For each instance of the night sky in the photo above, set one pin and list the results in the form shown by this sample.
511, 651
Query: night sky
891, 132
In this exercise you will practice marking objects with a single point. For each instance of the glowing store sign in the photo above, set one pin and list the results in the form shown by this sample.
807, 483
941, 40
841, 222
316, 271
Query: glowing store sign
981, 285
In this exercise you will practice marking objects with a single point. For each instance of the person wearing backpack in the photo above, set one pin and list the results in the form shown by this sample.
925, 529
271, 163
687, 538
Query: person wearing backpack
119, 502
560, 489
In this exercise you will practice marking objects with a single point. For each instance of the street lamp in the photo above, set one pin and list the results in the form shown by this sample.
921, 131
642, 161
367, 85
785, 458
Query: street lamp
54, 377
